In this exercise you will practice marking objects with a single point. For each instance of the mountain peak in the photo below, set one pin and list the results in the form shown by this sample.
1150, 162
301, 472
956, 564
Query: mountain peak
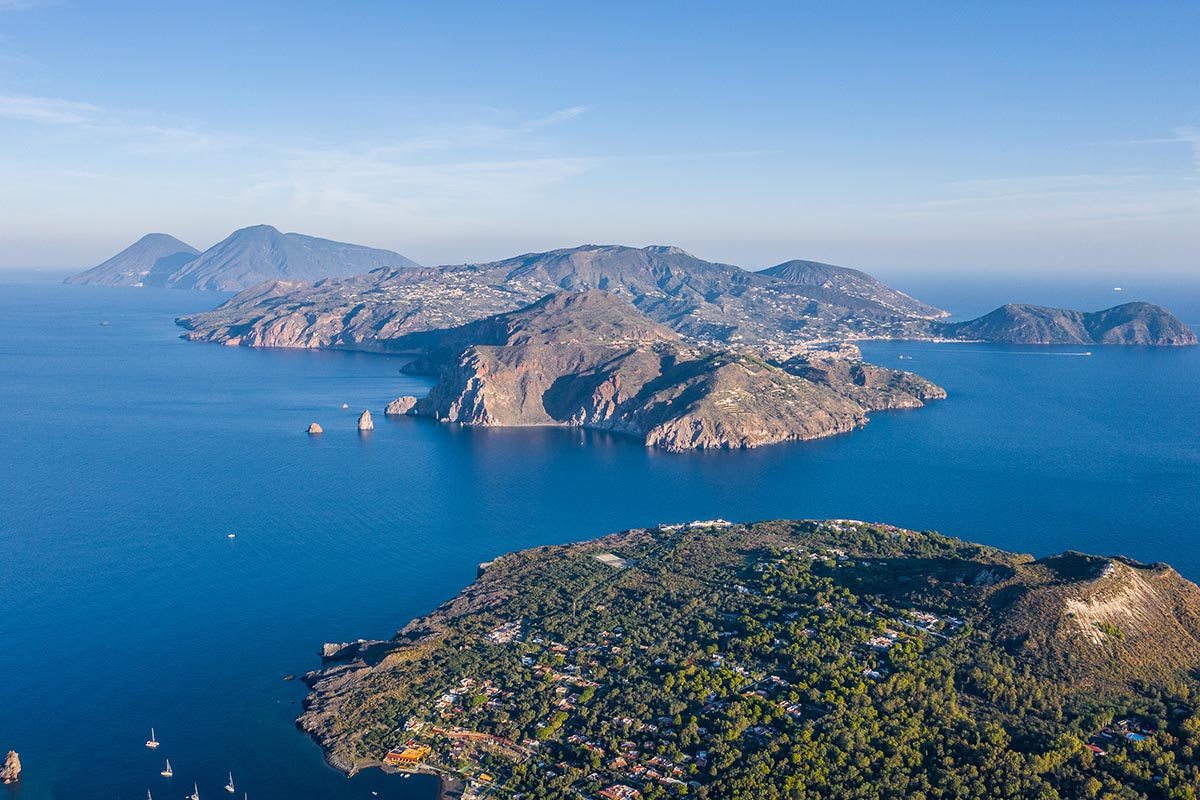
818, 276
248, 256
257, 229
147, 262
667, 250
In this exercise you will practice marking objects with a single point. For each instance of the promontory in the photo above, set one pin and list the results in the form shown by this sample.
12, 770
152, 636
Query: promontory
591, 359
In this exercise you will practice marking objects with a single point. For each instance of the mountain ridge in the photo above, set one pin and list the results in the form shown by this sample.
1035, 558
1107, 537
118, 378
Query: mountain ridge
244, 259
850, 282
704, 301
1134, 323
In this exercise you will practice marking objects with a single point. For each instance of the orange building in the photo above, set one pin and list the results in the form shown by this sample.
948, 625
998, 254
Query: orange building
407, 756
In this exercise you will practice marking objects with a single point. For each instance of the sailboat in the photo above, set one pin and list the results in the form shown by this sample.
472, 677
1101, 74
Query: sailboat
148, 795
168, 772
195, 793
229, 786
153, 743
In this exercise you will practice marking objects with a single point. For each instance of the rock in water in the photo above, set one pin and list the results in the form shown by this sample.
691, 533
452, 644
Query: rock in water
11, 771
365, 423
315, 429
401, 406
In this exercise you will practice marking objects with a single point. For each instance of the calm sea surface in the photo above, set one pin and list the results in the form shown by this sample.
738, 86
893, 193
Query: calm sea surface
127, 456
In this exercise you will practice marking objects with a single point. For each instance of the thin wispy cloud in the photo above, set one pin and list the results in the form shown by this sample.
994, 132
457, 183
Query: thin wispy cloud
47, 110
464, 166
1183, 135
1097, 199
1054, 201
173, 140
477, 135
555, 118
136, 137
1192, 137
345, 183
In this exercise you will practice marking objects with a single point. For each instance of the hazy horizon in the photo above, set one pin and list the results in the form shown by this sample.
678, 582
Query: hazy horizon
977, 139
1126, 278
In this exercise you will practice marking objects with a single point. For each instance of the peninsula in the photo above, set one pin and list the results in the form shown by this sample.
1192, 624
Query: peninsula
797, 659
591, 359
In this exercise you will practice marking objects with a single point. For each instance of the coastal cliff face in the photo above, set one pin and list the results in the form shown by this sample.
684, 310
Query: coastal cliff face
806, 630
591, 360
1128, 324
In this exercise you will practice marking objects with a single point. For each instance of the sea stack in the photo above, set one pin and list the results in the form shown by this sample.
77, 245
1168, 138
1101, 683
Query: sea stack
11, 771
315, 429
401, 406
365, 423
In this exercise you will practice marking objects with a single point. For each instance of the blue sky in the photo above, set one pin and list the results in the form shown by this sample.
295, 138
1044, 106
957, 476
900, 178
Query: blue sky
920, 137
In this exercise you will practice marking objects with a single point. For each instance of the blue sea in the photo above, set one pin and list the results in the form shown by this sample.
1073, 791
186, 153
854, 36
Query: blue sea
128, 455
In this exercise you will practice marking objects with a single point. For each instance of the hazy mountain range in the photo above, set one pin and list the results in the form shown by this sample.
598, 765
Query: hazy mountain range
245, 258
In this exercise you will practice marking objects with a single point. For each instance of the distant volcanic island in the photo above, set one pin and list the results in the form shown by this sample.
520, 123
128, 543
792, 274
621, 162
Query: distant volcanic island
651, 342
784, 659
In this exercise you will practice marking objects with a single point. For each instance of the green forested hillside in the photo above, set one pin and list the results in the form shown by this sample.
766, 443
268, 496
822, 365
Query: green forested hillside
788, 660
